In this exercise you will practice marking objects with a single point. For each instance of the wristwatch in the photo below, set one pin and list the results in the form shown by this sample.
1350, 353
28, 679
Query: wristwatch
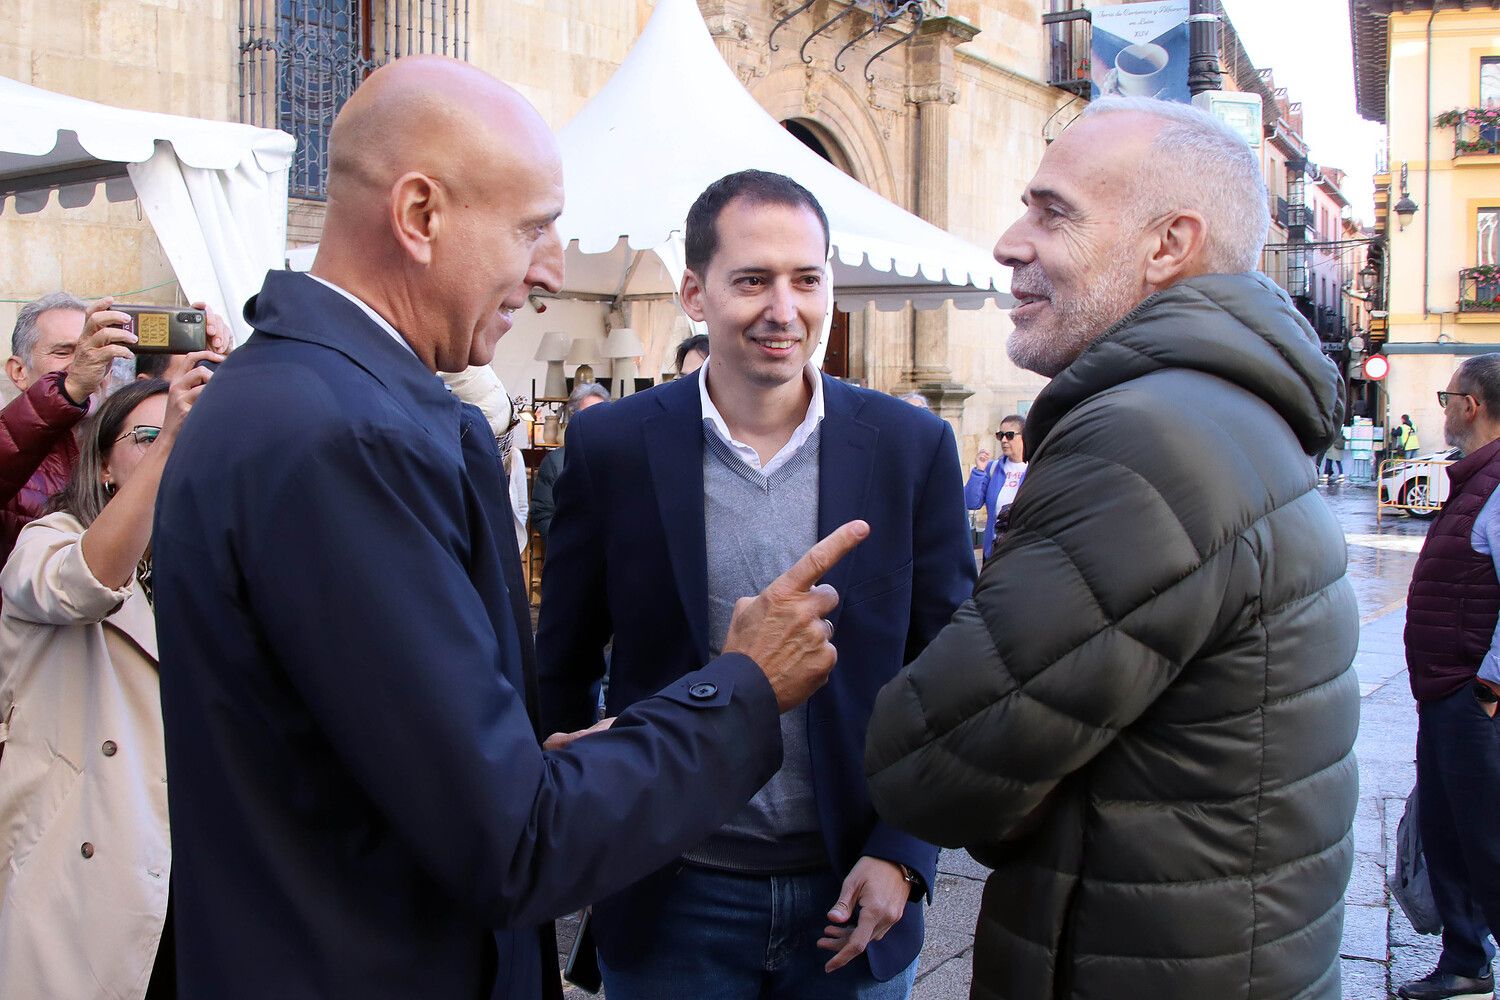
917, 889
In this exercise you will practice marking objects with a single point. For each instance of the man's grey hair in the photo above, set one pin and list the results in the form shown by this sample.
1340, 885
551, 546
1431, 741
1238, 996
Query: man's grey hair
24, 337
588, 390
1480, 377
1198, 163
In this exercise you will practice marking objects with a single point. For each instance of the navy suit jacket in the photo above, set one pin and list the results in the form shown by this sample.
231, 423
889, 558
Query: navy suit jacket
359, 804
627, 558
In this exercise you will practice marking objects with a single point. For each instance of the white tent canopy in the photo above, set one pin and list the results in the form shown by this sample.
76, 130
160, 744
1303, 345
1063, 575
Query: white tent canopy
672, 120
214, 192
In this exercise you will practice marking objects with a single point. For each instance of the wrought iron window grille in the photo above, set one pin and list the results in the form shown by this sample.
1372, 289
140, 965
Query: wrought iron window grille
299, 60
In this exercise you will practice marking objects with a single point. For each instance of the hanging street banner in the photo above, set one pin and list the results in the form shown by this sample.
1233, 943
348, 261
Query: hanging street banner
1140, 50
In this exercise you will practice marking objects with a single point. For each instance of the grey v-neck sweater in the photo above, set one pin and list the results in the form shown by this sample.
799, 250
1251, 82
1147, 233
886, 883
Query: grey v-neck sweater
756, 527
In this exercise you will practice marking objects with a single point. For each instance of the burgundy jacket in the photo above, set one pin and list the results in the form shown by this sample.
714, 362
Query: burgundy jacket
37, 452
1454, 601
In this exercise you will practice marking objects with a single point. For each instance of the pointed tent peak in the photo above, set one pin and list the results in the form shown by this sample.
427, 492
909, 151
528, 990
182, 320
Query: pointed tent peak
674, 118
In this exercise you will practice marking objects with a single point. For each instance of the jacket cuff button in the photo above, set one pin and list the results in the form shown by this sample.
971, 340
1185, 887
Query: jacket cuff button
703, 691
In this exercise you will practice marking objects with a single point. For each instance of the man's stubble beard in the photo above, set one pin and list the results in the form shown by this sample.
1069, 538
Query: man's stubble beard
1454, 433
1076, 323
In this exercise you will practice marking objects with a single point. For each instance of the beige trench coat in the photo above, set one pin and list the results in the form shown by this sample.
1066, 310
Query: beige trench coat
85, 856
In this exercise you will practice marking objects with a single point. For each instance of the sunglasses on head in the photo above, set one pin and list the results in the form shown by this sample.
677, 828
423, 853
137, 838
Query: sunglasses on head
1007, 435
141, 434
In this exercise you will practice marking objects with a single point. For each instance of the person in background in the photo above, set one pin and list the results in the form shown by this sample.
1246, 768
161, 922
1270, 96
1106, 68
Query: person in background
480, 386
85, 857
1453, 658
915, 399
994, 482
543, 505
1333, 460
1410, 443
691, 354
64, 353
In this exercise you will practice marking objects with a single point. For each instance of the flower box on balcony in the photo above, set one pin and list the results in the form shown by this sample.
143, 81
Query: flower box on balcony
1477, 130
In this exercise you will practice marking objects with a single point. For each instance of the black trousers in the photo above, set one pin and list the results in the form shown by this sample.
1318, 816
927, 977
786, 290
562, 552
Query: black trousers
163, 984
1458, 778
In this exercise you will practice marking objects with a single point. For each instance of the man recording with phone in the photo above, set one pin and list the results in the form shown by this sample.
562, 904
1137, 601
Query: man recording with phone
62, 353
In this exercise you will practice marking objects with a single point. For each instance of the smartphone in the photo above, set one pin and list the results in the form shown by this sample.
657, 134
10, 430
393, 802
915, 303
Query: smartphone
166, 329
582, 968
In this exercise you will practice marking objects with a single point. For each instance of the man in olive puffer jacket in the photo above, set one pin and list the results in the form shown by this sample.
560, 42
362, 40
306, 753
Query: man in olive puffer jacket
1144, 720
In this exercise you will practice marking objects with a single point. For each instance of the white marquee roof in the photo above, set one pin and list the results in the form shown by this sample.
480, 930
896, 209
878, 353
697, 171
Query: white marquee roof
674, 118
214, 192
50, 141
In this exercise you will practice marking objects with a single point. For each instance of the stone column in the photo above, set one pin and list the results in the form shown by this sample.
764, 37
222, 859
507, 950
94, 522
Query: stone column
933, 89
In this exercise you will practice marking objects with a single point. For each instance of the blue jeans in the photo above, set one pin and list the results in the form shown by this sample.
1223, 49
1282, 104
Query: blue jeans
723, 936
1458, 782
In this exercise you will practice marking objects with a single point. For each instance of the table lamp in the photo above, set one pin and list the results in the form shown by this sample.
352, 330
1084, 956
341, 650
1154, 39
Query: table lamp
623, 346
582, 353
554, 349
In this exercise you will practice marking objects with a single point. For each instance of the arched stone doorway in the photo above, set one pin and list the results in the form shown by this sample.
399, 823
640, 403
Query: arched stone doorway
816, 138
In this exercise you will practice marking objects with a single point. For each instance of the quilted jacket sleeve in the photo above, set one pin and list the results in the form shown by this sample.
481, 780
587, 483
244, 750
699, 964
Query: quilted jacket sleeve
30, 426
1100, 596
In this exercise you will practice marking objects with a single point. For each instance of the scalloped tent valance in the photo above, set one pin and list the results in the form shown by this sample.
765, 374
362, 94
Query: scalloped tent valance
674, 118
215, 192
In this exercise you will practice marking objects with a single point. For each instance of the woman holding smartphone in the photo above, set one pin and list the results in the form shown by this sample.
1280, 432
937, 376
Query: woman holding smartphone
85, 853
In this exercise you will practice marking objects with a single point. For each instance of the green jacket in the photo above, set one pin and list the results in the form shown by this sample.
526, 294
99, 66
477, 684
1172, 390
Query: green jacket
1144, 719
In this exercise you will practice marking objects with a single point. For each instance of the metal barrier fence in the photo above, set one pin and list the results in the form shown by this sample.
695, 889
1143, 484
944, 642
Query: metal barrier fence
1418, 487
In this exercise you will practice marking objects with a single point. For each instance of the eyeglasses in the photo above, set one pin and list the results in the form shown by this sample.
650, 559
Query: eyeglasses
142, 434
1443, 397
1007, 435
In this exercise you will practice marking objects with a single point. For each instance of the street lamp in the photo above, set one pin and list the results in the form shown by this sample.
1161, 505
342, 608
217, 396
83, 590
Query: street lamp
1405, 208
1367, 276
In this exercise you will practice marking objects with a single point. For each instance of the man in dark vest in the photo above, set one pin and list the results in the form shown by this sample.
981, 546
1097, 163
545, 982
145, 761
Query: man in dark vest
1451, 652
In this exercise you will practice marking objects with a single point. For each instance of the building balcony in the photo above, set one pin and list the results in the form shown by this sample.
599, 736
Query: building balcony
1476, 131
1476, 140
1069, 35
1293, 216
1479, 289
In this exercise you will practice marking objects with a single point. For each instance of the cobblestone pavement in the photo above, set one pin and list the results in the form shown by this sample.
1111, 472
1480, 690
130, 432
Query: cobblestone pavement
1380, 950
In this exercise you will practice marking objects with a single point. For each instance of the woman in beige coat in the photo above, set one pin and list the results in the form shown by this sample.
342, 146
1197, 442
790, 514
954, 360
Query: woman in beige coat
85, 857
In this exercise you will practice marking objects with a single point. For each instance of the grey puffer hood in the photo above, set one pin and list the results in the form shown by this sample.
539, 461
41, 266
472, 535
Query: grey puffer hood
1238, 327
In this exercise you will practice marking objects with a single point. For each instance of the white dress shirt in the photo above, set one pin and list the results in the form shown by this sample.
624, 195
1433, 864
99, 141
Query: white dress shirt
379, 319
713, 420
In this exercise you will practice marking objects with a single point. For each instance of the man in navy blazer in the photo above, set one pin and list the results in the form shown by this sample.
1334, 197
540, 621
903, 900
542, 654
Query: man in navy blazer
359, 804
674, 503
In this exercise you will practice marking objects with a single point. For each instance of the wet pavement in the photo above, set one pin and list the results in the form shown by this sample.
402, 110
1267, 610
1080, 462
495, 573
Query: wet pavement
1380, 950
